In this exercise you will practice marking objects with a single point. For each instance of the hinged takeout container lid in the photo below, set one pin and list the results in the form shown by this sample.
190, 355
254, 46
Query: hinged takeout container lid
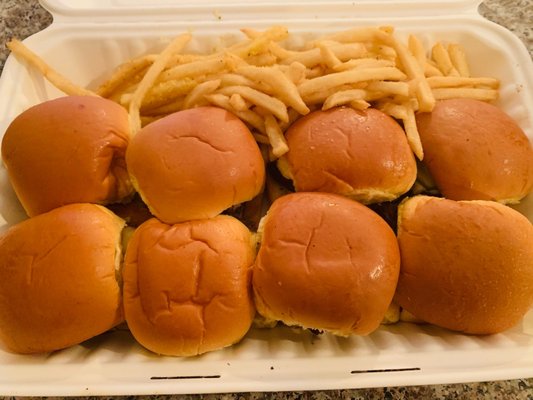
123, 10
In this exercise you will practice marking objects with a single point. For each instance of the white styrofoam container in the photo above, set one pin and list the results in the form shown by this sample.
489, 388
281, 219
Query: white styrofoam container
90, 37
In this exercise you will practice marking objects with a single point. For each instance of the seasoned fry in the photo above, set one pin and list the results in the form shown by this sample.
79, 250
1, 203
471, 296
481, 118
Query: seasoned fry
54, 77
195, 68
124, 74
151, 75
315, 99
351, 76
367, 62
169, 108
279, 85
260, 99
388, 88
165, 92
248, 116
238, 103
343, 97
313, 57
196, 96
232, 79
260, 43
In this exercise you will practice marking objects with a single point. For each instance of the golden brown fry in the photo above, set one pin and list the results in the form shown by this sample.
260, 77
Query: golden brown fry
250, 33
406, 113
471, 93
431, 70
366, 62
424, 95
349, 77
343, 97
359, 104
275, 106
149, 79
313, 57
125, 74
165, 92
295, 72
196, 96
458, 59
388, 88
360, 35
260, 43
279, 51
383, 52
459, 81
233, 79
315, 99
275, 136
148, 119
261, 138
293, 116
262, 60
328, 56
54, 77
278, 84
416, 48
169, 108
193, 69
314, 72
238, 103
411, 131
248, 116
442, 58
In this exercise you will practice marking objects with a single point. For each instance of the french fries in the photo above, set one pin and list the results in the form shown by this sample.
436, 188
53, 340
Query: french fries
269, 84
150, 77
56, 79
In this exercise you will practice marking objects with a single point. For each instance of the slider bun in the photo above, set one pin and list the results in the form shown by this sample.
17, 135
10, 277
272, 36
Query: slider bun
195, 163
474, 151
325, 262
187, 286
59, 284
467, 265
360, 154
68, 150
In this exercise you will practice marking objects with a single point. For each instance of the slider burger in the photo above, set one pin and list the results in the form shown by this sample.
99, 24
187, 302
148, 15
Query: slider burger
68, 150
360, 154
465, 265
194, 164
59, 283
325, 262
187, 287
474, 151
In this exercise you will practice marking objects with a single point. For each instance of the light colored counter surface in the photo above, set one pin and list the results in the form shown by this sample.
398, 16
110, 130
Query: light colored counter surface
23, 18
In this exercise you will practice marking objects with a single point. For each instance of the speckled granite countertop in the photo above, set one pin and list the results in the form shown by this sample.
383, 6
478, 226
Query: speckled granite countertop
21, 18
